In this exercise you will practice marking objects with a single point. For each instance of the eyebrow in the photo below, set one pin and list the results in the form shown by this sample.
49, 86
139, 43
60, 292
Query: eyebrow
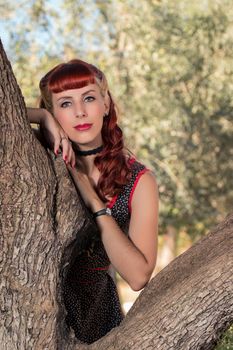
85, 93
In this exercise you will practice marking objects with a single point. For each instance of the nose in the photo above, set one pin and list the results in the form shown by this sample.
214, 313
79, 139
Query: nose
80, 111
81, 114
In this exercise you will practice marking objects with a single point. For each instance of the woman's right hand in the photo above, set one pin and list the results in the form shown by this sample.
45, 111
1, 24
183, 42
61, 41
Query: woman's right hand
53, 132
57, 137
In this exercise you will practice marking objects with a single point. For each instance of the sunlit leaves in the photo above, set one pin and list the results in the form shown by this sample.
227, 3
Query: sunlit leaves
169, 65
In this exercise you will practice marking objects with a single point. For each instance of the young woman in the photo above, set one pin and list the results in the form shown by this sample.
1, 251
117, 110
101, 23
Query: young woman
77, 108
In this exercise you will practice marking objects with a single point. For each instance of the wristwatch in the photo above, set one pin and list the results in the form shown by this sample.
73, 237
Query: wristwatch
104, 211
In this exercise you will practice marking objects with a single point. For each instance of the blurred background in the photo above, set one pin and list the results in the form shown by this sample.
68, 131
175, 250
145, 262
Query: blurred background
170, 68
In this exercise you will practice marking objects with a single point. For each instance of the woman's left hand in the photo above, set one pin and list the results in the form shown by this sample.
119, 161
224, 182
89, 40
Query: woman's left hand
86, 189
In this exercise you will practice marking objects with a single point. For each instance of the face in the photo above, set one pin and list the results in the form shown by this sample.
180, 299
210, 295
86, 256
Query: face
80, 113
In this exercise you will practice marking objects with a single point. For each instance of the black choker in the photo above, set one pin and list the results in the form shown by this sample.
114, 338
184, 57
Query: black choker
89, 152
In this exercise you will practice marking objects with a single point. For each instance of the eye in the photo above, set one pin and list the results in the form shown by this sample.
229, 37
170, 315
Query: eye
89, 98
65, 104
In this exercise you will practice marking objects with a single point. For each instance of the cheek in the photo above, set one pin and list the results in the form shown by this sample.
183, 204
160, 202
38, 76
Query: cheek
63, 122
60, 117
101, 112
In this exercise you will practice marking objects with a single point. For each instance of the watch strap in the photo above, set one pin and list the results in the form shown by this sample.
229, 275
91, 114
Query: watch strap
104, 211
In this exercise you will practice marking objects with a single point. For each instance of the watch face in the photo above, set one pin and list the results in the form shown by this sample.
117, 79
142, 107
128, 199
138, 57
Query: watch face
108, 211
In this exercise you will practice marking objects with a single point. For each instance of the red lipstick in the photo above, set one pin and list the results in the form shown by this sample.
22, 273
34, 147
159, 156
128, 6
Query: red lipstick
83, 127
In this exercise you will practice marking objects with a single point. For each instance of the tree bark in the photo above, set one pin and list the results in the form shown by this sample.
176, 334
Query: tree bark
44, 223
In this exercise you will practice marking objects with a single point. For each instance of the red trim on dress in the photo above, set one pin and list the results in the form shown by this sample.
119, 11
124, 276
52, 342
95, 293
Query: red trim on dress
112, 202
134, 186
131, 160
104, 268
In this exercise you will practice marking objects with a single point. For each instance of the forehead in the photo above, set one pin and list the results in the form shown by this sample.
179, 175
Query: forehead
76, 92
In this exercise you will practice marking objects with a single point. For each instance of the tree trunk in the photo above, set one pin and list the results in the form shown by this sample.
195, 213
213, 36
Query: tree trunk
43, 224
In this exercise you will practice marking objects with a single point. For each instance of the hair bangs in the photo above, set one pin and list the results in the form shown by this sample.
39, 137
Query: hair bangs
70, 76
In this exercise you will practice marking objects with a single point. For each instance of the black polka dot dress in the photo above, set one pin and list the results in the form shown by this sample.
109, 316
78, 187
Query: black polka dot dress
90, 294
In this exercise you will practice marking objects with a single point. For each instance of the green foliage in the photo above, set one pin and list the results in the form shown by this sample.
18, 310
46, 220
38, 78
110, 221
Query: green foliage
176, 67
226, 342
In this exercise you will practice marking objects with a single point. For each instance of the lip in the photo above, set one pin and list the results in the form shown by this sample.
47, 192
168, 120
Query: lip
83, 127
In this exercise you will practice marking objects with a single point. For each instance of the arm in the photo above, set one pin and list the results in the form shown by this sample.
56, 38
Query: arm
134, 257
37, 115
54, 134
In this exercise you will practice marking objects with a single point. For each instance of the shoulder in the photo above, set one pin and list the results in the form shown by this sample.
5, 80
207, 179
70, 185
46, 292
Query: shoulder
147, 184
148, 179
145, 200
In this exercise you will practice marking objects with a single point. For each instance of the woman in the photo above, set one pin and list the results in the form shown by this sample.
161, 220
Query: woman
119, 191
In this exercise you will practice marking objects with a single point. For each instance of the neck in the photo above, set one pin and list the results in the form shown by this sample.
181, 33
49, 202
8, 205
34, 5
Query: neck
85, 158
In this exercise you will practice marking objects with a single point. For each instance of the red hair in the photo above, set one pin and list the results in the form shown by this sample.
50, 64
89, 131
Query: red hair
112, 163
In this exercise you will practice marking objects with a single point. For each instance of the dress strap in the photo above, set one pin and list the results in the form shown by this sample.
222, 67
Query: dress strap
139, 174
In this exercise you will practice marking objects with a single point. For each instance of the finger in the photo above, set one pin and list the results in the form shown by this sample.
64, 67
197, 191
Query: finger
73, 159
57, 144
71, 156
65, 149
